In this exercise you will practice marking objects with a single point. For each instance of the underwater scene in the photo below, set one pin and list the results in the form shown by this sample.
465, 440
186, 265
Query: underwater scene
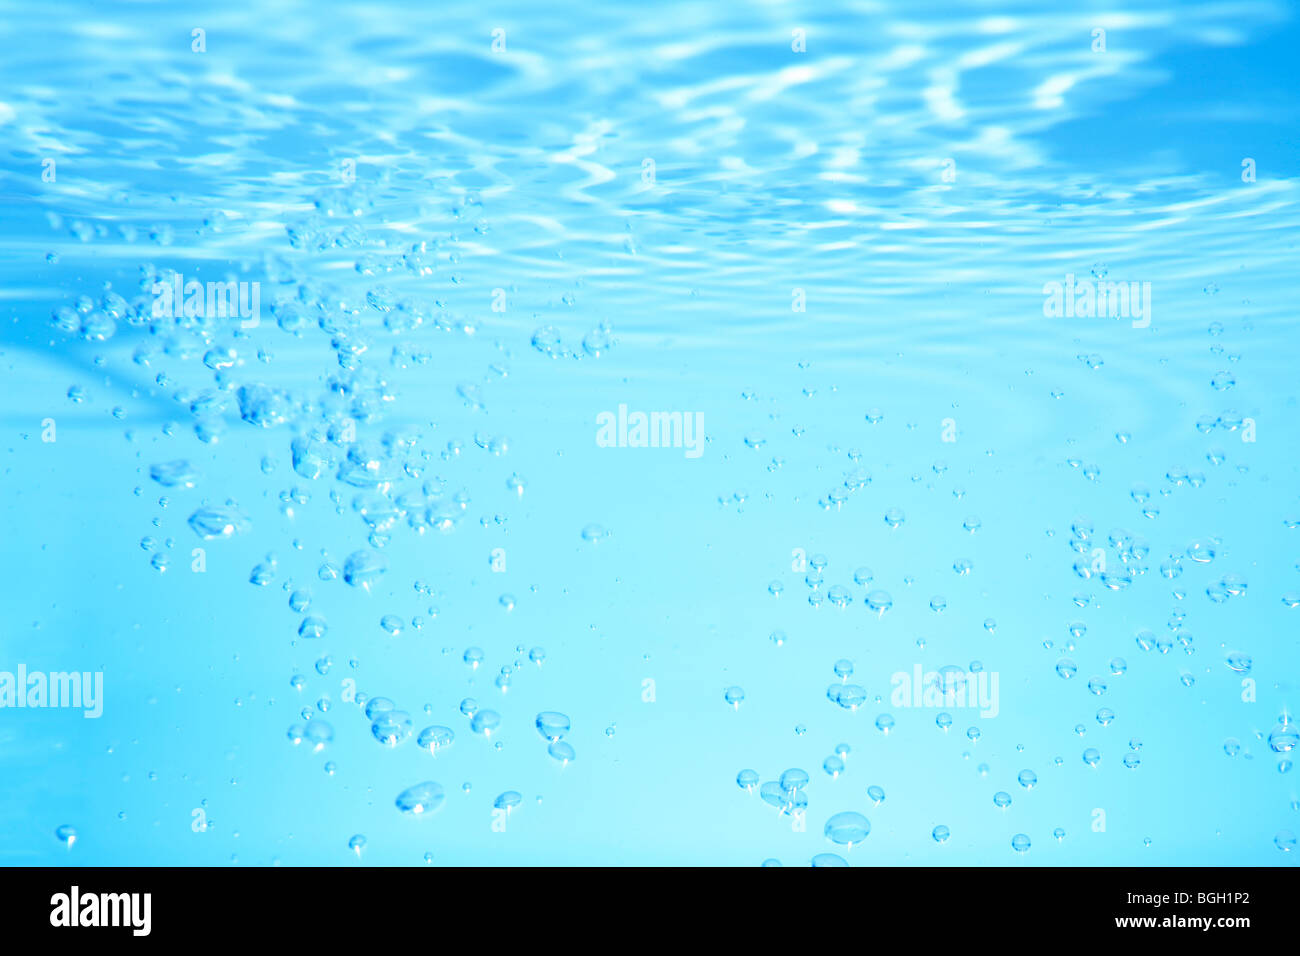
671, 434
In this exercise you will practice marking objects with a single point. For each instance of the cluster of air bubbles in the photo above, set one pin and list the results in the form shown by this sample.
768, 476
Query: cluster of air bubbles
371, 475
595, 343
553, 725
787, 793
388, 725
849, 696
1228, 586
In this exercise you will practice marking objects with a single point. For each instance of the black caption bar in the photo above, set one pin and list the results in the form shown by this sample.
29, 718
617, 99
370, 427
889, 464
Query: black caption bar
333, 905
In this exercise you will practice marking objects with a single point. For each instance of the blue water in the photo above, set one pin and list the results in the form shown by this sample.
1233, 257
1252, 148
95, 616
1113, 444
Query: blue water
825, 234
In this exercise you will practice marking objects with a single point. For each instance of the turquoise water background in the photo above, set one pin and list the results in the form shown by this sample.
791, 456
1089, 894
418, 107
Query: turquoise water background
824, 231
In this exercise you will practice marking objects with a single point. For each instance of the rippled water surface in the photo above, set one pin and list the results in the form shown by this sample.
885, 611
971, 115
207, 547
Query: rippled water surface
933, 563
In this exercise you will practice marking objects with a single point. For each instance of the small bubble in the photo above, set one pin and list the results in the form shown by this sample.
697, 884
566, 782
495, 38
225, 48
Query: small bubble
562, 751
426, 797
847, 828
485, 722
